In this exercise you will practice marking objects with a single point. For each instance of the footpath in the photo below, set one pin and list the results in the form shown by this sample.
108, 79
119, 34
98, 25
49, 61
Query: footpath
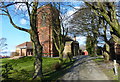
84, 69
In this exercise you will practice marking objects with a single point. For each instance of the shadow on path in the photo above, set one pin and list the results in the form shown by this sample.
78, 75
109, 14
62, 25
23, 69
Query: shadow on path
84, 69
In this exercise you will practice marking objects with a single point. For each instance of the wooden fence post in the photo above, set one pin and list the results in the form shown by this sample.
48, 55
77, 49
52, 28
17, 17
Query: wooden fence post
115, 68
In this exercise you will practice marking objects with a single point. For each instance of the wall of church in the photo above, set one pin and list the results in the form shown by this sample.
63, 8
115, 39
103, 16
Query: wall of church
45, 24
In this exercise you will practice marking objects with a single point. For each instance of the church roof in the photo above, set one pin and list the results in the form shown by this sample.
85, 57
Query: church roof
67, 38
24, 45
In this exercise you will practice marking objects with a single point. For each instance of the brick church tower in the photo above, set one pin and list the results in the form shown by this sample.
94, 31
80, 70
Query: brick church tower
47, 19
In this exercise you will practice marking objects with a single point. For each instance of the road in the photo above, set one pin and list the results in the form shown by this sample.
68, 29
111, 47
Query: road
84, 69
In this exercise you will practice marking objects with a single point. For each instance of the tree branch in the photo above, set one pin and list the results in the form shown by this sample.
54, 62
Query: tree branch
3, 10
3, 14
11, 21
4, 6
55, 32
109, 14
55, 43
28, 8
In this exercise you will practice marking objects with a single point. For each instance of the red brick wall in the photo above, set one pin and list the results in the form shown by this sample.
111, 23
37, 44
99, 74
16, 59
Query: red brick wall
45, 32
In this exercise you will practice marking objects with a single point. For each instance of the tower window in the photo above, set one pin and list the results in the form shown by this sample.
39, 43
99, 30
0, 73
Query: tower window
43, 22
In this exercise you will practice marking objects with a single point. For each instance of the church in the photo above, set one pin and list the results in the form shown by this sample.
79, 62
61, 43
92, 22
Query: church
47, 20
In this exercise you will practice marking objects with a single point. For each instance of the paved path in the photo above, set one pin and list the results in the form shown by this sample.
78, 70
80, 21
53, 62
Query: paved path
84, 69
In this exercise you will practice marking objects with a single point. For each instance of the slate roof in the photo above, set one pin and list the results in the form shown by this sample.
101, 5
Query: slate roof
67, 38
25, 44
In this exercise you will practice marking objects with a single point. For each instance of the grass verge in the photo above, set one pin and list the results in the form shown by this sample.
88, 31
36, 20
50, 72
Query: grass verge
23, 68
107, 68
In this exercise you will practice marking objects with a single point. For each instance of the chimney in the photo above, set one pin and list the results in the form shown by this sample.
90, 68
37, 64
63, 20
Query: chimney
74, 37
26, 45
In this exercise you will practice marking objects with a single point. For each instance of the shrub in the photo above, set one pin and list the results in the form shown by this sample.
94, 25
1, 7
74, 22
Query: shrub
14, 54
70, 56
7, 68
57, 66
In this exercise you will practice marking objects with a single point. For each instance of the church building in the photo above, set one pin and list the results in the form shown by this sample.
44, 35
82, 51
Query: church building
47, 20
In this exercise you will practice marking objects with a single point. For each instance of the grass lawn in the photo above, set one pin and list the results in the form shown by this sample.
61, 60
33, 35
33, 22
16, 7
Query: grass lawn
23, 68
107, 68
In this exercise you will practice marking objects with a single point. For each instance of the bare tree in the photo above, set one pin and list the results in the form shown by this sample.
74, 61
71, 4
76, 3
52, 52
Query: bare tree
32, 14
86, 23
3, 44
109, 14
60, 34
108, 11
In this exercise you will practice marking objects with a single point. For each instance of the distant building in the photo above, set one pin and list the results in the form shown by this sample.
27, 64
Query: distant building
71, 46
4, 56
0, 56
25, 49
115, 48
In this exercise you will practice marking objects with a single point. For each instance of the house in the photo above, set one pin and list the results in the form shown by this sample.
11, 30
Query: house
47, 22
4, 56
71, 46
115, 48
25, 49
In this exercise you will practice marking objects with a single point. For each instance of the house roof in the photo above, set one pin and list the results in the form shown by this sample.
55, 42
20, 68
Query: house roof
24, 45
68, 38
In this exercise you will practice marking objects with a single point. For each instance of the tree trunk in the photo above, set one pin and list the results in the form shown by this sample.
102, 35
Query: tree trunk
61, 56
38, 57
95, 50
106, 52
112, 49
106, 56
38, 63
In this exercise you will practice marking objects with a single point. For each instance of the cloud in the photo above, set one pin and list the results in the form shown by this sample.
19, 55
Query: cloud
72, 11
81, 39
77, 7
69, 14
20, 6
23, 21
12, 50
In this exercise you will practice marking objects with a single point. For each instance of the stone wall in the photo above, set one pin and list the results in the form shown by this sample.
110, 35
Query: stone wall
67, 47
